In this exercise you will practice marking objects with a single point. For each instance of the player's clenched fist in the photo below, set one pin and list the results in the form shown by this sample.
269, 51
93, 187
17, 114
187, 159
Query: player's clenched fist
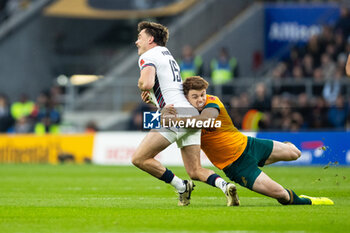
145, 96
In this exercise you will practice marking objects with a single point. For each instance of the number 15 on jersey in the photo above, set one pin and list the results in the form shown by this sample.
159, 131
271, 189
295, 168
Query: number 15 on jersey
176, 70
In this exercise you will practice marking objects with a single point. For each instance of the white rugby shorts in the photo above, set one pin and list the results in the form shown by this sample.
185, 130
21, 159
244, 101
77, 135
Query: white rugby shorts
183, 137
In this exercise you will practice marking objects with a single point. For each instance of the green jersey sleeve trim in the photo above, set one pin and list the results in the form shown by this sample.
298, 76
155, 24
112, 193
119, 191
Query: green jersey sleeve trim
212, 105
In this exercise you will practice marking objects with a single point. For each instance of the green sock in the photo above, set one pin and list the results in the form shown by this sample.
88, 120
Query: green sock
295, 200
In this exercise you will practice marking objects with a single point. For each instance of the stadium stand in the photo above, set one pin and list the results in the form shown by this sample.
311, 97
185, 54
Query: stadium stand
320, 63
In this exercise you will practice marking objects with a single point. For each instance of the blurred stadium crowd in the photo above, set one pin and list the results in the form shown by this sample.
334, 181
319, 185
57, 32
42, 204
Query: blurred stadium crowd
321, 60
27, 116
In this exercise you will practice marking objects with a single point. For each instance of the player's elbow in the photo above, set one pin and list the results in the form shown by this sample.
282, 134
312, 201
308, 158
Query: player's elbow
141, 86
145, 86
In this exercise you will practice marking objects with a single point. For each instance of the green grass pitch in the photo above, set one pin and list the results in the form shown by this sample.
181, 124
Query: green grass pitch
89, 198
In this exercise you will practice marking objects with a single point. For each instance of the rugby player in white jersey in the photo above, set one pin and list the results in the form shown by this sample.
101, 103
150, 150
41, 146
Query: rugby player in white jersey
160, 76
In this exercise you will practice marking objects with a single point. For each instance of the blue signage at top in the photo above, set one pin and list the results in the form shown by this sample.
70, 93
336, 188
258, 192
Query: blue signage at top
295, 24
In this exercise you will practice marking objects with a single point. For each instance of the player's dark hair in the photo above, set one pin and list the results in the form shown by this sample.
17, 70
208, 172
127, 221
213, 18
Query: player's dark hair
194, 83
159, 32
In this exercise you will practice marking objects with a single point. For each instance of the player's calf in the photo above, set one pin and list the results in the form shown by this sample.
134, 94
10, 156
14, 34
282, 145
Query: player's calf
193, 173
199, 173
142, 163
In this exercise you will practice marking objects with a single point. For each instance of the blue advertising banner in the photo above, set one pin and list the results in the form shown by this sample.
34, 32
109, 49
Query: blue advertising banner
317, 148
294, 24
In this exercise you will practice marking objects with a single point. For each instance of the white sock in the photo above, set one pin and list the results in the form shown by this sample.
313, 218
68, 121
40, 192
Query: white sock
178, 184
221, 184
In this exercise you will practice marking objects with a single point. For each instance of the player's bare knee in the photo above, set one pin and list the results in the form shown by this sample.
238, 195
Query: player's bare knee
293, 156
298, 153
137, 161
294, 152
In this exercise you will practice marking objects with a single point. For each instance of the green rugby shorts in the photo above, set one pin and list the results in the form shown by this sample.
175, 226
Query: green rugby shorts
244, 170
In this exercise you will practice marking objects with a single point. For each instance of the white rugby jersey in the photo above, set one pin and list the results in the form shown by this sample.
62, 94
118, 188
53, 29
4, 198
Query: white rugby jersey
167, 88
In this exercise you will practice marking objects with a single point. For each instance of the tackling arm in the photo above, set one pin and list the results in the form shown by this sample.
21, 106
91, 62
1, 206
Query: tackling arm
169, 112
207, 113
